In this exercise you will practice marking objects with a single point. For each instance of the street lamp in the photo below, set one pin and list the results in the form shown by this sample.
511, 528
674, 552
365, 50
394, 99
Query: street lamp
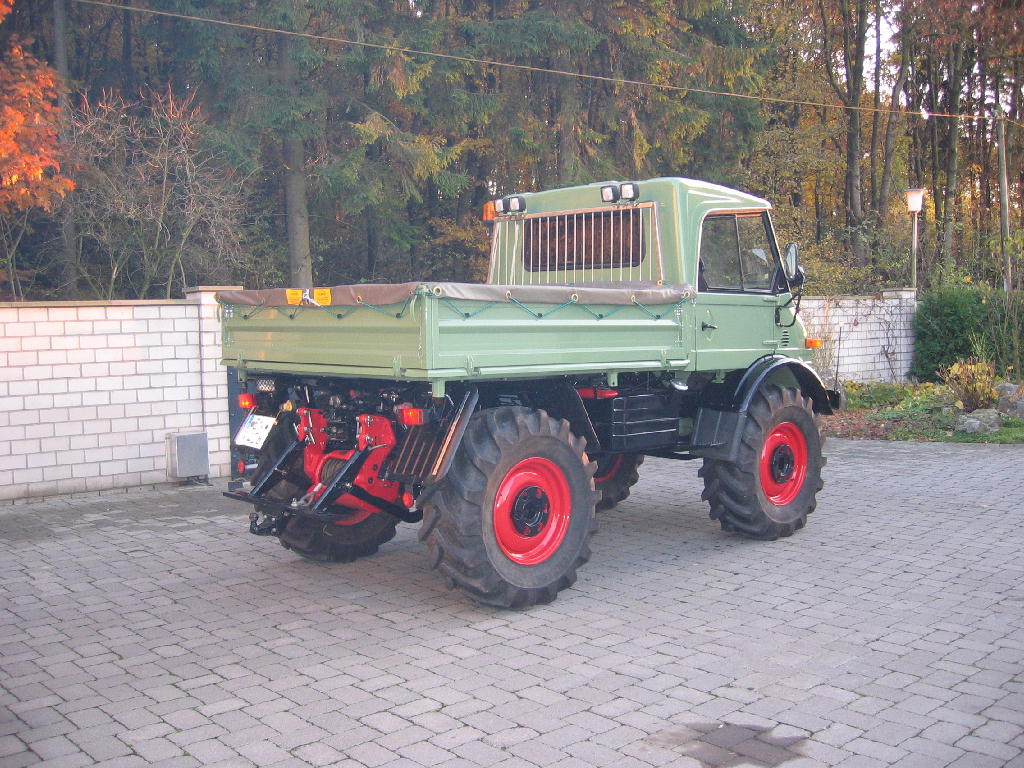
915, 202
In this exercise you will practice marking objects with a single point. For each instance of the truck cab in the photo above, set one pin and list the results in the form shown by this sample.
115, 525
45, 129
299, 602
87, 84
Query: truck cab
716, 241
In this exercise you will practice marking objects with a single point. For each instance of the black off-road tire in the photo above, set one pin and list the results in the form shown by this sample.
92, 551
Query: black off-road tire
616, 473
772, 488
333, 542
519, 479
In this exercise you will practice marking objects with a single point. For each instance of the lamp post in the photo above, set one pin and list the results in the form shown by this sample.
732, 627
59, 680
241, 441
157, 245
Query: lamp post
915, 202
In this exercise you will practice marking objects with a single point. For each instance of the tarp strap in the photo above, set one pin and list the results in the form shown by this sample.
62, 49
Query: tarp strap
459, 311
658, 316
541, 315
602, 315
398, 314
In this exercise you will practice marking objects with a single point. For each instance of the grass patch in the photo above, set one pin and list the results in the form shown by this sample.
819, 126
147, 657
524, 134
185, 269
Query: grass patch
904, 411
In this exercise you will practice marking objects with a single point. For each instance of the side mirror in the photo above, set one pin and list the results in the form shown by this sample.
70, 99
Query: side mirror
799, 277
790, 261
795, 274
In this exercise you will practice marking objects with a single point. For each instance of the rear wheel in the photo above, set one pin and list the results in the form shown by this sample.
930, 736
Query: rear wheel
772, 487
336, 543
511, 522
343, 541
616, 474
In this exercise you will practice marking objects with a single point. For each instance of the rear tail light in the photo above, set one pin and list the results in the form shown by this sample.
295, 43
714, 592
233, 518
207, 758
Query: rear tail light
413, 417
247, 401
597, 393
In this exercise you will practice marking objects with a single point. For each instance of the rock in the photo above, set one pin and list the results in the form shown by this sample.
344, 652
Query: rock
1011, 399
1006, 389
984, 421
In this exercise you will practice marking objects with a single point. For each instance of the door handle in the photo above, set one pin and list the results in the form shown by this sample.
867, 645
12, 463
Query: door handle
705, 326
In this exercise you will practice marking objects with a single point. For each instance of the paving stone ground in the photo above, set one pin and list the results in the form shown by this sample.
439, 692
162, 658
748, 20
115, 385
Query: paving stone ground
149, 628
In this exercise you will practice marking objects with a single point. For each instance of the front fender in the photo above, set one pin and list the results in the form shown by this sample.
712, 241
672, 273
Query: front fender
825, 400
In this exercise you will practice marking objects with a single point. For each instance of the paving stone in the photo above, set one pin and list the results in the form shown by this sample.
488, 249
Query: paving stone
318, 754
210, 751
884, 633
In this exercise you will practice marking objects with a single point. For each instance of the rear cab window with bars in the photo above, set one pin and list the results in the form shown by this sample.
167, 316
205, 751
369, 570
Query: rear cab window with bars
612, 244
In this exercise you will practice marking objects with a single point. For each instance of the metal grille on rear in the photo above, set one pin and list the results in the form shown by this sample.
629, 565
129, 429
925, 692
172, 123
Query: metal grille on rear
593, 245
415, 457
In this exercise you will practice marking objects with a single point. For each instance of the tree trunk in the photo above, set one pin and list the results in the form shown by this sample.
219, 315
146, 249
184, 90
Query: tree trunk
853, 15
1004, 203
70, 286
300, 262
127, 71
888, 151
854, 194
952, 164
372, 243
569, 106
876, 115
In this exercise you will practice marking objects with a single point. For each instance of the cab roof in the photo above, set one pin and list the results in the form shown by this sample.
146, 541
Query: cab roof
701, 195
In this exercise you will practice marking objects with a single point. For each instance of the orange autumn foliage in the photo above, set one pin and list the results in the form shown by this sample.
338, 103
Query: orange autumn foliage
29, 166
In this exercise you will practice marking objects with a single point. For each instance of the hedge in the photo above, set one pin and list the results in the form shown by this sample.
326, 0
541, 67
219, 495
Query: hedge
955, 322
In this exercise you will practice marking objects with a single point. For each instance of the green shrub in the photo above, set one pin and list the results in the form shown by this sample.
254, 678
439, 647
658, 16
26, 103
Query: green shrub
946, 319
954, 322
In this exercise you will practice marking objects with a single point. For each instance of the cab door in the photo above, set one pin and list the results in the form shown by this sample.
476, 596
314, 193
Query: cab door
735, 306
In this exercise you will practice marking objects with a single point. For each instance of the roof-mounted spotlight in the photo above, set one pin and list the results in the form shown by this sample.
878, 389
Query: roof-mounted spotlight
629, 191
514, 204
610, 193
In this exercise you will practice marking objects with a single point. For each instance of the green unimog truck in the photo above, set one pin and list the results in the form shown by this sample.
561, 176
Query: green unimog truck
619, 320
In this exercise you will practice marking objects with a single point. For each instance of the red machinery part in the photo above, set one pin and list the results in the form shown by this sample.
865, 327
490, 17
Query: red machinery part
312, 430
375, 432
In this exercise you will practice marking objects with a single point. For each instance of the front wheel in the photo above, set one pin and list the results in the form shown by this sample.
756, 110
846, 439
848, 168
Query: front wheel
772, 487
512, 520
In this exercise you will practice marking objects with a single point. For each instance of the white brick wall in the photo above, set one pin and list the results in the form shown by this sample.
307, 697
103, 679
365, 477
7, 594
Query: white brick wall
868, 338
89, 391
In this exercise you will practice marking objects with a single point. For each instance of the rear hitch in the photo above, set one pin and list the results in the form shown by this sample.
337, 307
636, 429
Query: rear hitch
270, 525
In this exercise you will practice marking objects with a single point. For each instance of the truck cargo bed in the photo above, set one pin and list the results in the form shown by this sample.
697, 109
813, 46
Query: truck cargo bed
449, 331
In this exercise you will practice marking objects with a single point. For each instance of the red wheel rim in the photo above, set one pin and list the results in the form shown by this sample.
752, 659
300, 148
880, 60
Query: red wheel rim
532, 509
609, 470
783, 463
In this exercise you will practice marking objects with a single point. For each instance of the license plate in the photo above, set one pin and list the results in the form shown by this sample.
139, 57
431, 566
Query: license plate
254, 431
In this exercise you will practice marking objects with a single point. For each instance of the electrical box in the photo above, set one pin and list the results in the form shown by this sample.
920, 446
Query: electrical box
188, 455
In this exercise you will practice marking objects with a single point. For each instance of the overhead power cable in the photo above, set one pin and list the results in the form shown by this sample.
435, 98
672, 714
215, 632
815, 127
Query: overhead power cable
530, 68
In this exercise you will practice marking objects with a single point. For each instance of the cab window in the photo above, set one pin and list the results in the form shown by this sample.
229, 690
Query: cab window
735, 254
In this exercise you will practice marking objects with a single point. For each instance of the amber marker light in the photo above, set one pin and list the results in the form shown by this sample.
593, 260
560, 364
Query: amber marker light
812, 343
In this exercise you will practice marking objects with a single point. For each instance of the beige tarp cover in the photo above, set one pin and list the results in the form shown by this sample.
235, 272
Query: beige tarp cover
382, 294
